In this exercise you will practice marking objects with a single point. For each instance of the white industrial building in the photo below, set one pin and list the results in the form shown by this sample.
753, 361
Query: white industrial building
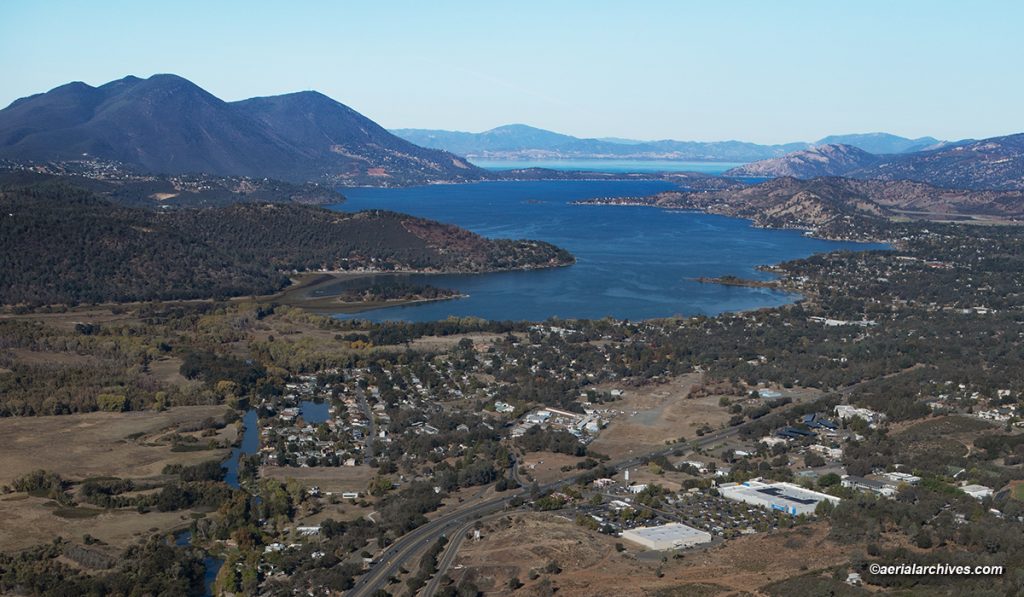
978, 492
785, 497
667, 536
845, 411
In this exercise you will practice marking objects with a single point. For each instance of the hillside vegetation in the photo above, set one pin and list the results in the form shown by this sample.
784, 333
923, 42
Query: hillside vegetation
116, 183
167, 124
838, 207
62, 244
994, 163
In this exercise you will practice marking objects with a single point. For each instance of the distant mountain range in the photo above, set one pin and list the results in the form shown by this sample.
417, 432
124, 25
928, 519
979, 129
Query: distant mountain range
167, 124
995, 163
519, 141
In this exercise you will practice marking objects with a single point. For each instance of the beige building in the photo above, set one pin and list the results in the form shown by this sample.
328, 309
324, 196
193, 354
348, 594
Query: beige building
667, 536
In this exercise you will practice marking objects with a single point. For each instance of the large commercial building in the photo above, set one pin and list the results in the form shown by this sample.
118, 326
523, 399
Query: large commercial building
667, 536
785, 497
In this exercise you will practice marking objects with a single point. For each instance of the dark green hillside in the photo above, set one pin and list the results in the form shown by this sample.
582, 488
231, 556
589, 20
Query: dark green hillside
167, 124
162, 124
330, 134
164, 191
62, 244
295, 237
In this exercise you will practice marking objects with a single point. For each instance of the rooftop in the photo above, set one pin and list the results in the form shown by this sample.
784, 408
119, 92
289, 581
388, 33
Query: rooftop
786, 496
674, 533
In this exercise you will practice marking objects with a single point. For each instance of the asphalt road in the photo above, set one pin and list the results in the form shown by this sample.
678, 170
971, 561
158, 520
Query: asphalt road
447, 558
415, 541
412, 543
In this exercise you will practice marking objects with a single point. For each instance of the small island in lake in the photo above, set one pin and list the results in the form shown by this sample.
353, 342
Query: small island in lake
397, 292
737, 281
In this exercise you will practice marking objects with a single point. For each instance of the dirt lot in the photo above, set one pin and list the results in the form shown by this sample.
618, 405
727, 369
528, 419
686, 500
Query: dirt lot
513, 545
441, 343
100, 444
327, 478
671, 481
655, 414
545, 467
344, 510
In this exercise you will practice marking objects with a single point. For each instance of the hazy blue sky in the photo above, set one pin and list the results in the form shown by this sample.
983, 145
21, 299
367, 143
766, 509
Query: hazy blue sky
766, 71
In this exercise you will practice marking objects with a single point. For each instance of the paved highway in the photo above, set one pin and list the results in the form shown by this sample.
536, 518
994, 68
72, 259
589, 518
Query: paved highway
415, 541
447, 558
412, 543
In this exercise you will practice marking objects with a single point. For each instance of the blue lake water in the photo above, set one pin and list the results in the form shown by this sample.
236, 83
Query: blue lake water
314, 412
610, 165
632, 262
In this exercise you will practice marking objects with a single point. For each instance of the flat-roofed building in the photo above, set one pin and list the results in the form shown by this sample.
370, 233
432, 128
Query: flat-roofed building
978, 492
902, 478
785, 497
872, 485
667, 536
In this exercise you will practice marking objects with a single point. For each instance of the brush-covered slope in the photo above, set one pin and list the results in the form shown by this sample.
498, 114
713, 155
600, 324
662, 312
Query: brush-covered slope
823, 160
167, 124
996, 163
65, 245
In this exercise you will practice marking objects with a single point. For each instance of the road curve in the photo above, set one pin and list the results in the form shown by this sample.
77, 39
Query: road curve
415, 541
408, 545
447, 557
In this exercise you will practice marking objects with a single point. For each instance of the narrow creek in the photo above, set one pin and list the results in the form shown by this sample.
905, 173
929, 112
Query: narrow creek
249, 445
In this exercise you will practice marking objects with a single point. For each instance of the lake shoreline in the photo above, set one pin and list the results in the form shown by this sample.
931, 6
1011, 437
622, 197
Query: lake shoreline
641, 202
303, 284
331, 304
631, 264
